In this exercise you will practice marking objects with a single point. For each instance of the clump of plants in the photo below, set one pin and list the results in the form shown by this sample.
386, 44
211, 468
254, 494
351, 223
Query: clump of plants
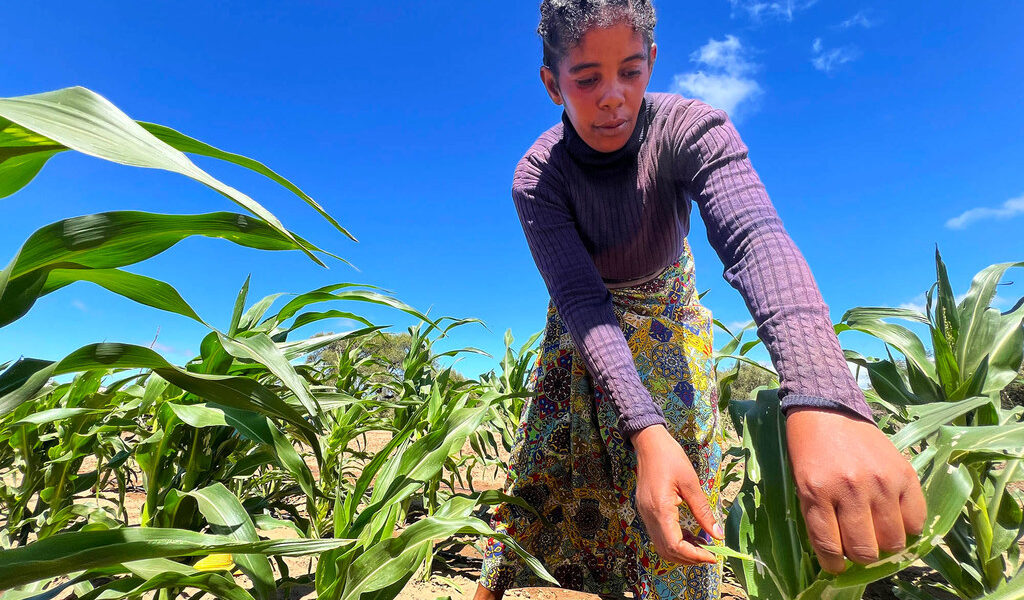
945, 408
222, 447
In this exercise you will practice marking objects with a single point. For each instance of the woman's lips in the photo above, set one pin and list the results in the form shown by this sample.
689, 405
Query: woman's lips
612, 127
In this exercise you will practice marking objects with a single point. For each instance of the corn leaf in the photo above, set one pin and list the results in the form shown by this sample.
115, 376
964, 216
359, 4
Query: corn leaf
224, 513
66, 251
180, 141
391, 559
977, 319
76, 551
82, 120
932, 416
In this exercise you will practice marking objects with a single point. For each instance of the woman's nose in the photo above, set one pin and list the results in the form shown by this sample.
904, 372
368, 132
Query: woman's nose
612, 98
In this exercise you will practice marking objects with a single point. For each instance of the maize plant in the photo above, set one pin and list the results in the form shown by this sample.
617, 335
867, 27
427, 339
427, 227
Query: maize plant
516, 381
966, 450
977, 352
221, 446
736, 350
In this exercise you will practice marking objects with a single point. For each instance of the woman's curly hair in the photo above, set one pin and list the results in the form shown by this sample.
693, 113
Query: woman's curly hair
563, 22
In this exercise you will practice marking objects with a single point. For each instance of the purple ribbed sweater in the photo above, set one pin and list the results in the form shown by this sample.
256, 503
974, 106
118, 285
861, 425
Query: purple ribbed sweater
594, 220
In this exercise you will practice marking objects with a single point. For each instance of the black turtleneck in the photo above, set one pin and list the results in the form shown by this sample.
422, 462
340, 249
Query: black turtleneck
588, 158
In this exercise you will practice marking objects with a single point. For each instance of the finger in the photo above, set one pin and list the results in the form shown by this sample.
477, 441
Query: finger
697, 502
913, 506
857, 530
888, 520
670, 544
690, 553
823, 530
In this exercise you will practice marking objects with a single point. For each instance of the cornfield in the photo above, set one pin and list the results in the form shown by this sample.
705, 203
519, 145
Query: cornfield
246, 439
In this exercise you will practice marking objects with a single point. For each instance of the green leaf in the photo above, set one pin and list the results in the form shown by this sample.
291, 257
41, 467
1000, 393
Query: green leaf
389, 560
219, 586
22, 381
877, 313
976, 318
765, 520
932, 416
180, 141
329, 293
958, 574
236, 313
72, 247
76, 551
1011, 590
139, 288
82, 120
1006, 351
240, 392
888, 383
199, 415
974, 384
945, 364
54, 414
864, 320
947, 317
224, 513
420, 462
1008, 526
260, 348
16, 172
255, 427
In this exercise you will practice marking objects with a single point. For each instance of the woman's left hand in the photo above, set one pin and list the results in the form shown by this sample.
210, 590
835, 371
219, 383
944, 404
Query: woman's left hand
858, 494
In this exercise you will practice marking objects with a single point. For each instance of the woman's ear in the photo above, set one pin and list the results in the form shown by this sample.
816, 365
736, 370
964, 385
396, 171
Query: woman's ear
547, 76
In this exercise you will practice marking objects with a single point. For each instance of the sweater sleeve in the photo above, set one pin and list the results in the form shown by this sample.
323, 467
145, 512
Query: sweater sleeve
579, 294
764, 265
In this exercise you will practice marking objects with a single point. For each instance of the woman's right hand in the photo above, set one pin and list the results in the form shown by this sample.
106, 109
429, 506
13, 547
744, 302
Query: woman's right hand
664, 480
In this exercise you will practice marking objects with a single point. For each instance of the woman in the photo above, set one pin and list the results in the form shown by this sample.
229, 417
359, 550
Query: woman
621, 448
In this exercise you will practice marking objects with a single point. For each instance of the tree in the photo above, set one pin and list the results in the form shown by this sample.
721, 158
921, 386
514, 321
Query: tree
748, 379
377, 357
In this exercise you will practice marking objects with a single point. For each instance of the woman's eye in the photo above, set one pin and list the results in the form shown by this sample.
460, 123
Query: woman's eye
632, 74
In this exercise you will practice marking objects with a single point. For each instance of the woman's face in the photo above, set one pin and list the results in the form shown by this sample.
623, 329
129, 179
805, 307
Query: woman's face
602, 82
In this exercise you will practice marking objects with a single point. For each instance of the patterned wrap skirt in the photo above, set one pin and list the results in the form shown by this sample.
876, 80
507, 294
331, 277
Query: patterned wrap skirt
570, 462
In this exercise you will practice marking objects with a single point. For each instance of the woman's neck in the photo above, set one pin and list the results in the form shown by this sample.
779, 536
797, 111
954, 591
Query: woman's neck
586, 156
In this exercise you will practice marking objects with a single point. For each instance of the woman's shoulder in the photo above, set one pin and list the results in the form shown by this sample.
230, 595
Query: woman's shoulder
543, 158
674, 112
545, 147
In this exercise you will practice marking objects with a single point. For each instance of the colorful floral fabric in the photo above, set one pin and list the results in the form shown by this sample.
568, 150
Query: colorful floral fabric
571, 463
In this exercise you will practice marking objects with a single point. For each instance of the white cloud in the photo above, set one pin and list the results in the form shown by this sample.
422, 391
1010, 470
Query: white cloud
79, 305
725, 55
737, 326
858, 20
1010, 208
724, 81
827, 60
916, 303
758, 9
862, 376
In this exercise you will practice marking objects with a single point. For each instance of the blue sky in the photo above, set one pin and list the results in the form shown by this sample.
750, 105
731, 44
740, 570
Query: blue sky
879, 130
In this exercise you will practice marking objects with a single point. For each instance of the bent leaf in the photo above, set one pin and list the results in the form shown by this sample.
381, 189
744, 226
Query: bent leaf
82, 120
